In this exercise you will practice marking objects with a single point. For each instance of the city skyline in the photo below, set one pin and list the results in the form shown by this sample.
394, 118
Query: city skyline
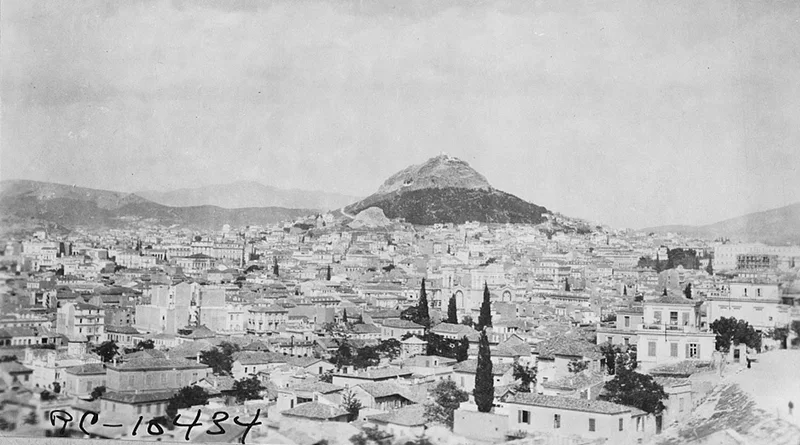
628, 115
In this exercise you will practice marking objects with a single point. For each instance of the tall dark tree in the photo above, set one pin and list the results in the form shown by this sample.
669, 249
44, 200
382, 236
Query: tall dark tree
247, 389
665, 292
631, 388
687, 291
328, 273
710, 267
145, 344
219, 362
467, 321
275, 269
98, 392
567, 287
658, 264
351, 404
186, 397
107, 350
344, 316
624, 290
423, 314
452, 311
462, 349
485, 315
484, 381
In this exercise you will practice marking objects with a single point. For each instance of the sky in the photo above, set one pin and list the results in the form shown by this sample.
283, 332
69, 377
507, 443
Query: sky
629, 113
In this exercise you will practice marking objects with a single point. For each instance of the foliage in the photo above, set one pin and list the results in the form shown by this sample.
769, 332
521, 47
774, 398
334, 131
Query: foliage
328, 273
326, 376
631, 388
371, 436
186, 397
795, 327
390, 348
682, 257
98, 392
567, 287
46, 395
452, 310
467, 321
423, 313
351, 404
447, 397
344, 316
57, 387
484, 381
145, 344
229, 348
485, 316
526, 376
5, 425
617, 356
107, 350
729, 331
687, 291
247, 389
609, 318
366, 357
219, 362
576, 366
710, 267
462, 350
31, 418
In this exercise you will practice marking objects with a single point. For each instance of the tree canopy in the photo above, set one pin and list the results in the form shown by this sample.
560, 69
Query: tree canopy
186, 397
526, 375
452, 310
729, 331
447, 397
247, 389
107, 350
219, 362
631, 388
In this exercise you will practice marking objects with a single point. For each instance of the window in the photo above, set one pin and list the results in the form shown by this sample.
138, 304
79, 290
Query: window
139, 409
693, 350
657, 317
462, 381
673, 318
610, 339
621, 424
651, 349
685, 318
627, 321
626, 340
680, 404
524, 417
591, 425
758, 292
557, 421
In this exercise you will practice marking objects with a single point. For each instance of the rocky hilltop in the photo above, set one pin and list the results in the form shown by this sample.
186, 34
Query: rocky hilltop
445, 189
443, 171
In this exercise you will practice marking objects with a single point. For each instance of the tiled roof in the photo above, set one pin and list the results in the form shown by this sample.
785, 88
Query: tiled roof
414, 340
153, 363
315, 410
223, 383
401, 324
122, 330
675, 300
382, 389
320, 387
302, 362
191, 349
259, 357
273, 308
142, 397
450, 328
470, 366
575, 381
366, 329
88, 369
14, 367
144, 354
569, 403
410, 415
562, 345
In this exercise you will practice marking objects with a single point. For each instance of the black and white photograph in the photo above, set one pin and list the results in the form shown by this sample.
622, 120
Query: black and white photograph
400, 222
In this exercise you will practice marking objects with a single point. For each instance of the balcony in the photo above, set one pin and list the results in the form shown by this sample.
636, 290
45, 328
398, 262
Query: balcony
668, 327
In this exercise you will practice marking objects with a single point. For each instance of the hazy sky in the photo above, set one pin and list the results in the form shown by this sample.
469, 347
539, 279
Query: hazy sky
627, 112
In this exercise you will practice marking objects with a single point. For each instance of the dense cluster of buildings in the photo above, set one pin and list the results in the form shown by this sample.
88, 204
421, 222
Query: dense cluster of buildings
276, 292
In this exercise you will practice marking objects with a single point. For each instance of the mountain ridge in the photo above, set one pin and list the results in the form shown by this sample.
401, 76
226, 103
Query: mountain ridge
25, 203
774, 226
247, 194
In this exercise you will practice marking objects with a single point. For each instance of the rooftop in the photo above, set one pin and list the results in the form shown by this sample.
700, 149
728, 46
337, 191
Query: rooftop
569, 403
410, 415
315, 410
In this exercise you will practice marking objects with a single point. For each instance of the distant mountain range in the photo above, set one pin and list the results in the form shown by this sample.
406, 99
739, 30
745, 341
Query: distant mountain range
445, 189
245, 194
776, 226
25, 205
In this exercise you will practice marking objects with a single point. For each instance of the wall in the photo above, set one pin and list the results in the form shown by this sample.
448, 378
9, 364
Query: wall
480, 426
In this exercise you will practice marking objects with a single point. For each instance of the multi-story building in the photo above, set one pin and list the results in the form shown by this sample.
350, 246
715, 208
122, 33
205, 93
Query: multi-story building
266, 320
625, 327
81, 319
758, 303
672, 332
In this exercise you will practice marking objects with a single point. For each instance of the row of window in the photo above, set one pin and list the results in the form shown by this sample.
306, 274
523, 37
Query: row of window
692, 349
524, 416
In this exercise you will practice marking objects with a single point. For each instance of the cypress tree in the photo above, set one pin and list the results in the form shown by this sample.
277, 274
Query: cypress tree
275, 270
328, 274
422, 309
624, 290
452, 312
484, 381
665, 292
688, 291
485, 316
658, 264
344, 316
462, 349
710, 268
